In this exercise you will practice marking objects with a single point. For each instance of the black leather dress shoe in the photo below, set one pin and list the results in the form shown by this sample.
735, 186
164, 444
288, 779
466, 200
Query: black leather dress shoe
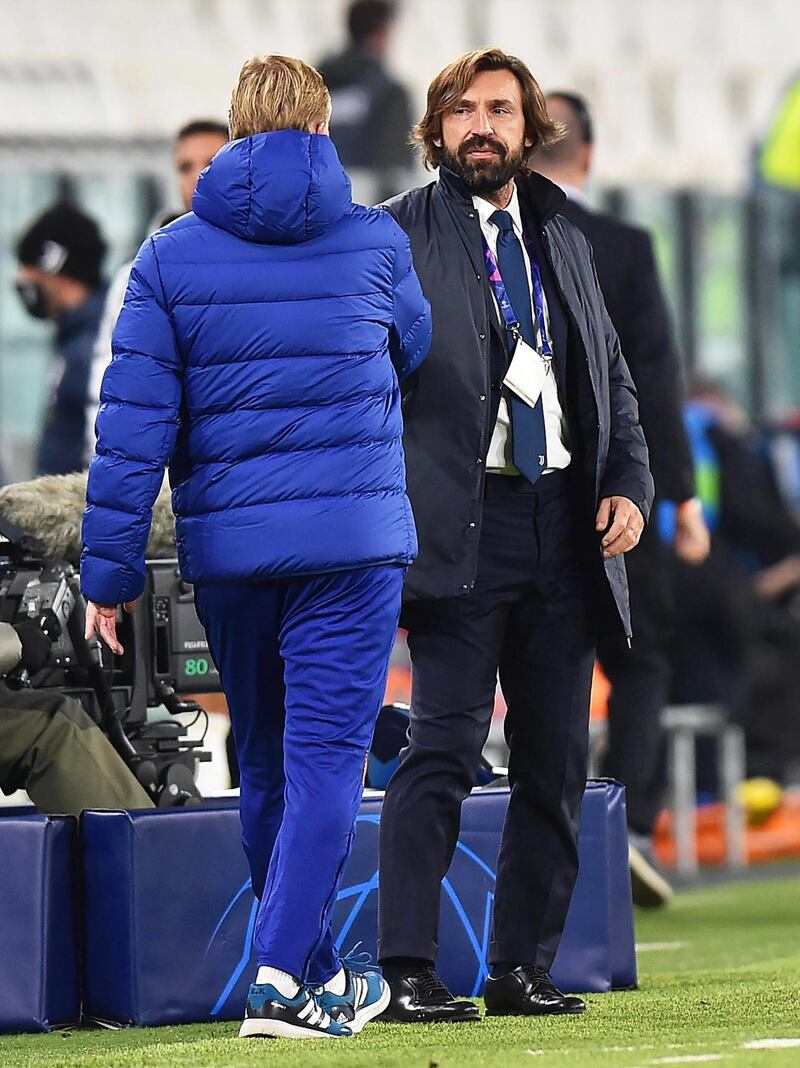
422, 997
528, 991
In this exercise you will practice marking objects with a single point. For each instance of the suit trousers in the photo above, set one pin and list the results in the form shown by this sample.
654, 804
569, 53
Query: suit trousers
530, 616
303, 663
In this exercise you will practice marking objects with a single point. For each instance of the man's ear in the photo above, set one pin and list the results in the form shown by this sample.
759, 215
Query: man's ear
322, 128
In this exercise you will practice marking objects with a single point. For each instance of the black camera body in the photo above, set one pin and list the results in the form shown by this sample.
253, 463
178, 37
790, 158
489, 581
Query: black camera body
166, 656
46, 594
178, 647
45, 597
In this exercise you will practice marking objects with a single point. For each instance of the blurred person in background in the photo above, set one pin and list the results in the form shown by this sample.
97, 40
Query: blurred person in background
196, 144
639, 674
737, 636
371, 110
60, 278
258, 354
524, 503
782, 446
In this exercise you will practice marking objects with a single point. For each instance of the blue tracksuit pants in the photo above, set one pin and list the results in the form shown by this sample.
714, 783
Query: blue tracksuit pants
303, 663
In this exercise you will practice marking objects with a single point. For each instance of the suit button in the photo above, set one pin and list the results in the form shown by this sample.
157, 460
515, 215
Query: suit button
464, 586
472, 526
479, 461
482, 337
479, 278
482, 397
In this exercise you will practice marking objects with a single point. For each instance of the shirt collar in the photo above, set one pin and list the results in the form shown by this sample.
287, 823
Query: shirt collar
485, 210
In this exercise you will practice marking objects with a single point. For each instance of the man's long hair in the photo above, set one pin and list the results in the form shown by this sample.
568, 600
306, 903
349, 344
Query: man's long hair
448, 87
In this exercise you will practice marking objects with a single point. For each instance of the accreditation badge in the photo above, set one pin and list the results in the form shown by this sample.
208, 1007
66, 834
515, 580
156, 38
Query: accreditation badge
526, 373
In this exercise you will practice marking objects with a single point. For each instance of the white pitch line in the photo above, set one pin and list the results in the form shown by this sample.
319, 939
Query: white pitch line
646, 1047
697, 1058
772, 1043
659, 947
688, 1060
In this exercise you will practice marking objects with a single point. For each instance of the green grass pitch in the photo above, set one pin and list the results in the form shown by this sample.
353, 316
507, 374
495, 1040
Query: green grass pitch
719, 971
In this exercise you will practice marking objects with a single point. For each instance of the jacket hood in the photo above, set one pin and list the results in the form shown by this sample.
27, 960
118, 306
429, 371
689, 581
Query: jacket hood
276, 188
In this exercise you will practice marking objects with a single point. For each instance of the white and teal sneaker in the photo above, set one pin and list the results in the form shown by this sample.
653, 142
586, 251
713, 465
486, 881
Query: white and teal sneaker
269, 1014
366, 995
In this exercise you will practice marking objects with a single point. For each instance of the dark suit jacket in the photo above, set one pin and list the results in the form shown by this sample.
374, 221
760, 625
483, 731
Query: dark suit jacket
626, 268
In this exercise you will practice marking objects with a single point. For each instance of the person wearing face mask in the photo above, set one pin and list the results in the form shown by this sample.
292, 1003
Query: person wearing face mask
59, 278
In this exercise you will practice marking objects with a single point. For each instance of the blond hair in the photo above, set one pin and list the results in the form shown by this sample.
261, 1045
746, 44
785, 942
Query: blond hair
450, 84
277, 93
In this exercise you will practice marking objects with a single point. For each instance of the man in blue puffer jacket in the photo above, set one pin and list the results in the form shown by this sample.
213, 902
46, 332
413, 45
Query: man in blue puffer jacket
258, 354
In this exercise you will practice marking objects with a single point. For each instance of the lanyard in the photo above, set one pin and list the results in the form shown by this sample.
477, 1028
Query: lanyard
506, 309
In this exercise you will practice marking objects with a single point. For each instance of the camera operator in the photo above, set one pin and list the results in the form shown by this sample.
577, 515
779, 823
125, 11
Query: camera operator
49, 745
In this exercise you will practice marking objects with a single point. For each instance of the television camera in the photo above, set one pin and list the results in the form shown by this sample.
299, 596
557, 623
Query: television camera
166, 659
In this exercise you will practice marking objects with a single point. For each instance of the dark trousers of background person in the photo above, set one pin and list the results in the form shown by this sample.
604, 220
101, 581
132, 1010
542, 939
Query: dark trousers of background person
530, 615
640, 678
50, 746
733, 648
303, 663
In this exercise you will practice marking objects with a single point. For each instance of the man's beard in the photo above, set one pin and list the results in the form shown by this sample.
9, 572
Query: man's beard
483, 176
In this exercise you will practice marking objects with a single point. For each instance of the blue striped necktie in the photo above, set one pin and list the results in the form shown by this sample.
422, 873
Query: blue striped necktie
529, 442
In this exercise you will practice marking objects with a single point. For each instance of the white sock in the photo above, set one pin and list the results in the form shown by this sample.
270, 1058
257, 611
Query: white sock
338, 984
283, 982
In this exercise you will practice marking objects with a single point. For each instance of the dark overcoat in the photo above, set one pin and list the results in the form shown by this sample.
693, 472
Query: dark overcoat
450, 403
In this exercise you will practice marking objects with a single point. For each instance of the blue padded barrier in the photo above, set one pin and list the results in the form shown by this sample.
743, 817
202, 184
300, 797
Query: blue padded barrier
39, 974
169, 914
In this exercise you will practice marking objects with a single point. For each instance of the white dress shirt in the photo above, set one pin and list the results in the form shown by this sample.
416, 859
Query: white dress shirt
499, 459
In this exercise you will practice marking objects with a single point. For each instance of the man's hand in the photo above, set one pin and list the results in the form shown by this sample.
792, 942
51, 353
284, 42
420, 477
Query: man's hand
101, 619
623, 523
692, 541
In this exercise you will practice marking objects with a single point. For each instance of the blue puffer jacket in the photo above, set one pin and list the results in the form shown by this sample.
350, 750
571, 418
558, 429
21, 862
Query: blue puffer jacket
258, 354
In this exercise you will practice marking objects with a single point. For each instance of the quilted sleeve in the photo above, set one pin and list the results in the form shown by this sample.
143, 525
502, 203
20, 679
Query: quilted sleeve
410, 335
136, 429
